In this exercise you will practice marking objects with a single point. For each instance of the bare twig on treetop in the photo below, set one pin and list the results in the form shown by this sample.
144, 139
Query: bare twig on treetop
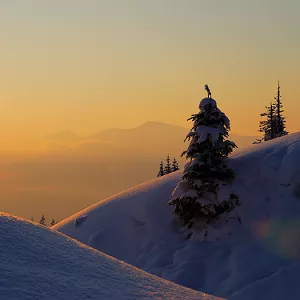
208, 91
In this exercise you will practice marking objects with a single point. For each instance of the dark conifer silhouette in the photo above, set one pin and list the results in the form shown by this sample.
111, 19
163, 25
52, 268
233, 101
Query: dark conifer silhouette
43, 220
161, 170
279, 128
167, 166
267, 126
175, 166
273, 126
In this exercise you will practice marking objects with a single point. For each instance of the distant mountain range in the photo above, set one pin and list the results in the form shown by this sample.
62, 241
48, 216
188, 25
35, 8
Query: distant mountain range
79, 170
150, 137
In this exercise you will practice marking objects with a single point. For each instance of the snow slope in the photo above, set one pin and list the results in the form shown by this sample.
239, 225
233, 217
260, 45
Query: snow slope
37, 263
258, 259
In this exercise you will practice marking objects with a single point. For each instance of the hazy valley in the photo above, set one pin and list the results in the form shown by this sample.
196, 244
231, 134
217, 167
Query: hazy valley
73, 171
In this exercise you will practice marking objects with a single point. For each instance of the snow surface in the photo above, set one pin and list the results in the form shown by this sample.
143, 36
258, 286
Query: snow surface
204, 131
258, 259
38, 263
79, 221
207, 101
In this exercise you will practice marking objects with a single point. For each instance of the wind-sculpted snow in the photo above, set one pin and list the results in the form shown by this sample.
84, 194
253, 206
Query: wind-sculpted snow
257, 259
37, 263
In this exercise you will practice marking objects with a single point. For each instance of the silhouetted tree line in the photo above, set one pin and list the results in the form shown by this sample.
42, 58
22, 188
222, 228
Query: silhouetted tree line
273, 124
43, 221
168, 168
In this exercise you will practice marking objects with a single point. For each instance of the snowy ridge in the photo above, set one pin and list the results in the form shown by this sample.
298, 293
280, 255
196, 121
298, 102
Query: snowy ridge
37, 263
258, 259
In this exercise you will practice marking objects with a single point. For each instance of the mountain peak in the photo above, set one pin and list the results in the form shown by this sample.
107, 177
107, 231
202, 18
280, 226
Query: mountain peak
156, 124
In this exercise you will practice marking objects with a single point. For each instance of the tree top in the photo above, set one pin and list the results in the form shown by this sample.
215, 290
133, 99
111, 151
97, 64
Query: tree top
207, 101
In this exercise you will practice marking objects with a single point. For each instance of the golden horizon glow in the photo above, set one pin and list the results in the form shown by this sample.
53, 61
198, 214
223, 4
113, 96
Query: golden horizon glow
95, 65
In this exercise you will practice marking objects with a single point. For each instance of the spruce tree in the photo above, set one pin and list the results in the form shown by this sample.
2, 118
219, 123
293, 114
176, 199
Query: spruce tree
167, 166
43, 220
196, 195
161, 170
267, 126
279, 129
175, 166
274, 124
52, 222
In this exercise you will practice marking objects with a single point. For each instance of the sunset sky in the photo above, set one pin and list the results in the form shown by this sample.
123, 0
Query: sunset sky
93, 64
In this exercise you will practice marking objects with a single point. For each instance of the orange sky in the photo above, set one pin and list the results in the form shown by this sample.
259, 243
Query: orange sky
92, 65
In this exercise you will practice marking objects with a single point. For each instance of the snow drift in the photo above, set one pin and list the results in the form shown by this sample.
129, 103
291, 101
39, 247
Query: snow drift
258, 259
37, 263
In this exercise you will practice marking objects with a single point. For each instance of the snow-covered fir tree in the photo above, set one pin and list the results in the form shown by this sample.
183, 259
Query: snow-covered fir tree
196, 195
279, 129
161, 170
43, 220
167, 166
175, 166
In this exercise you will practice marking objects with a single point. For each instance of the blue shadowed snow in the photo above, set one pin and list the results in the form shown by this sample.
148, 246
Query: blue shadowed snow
258, 259
37, 263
